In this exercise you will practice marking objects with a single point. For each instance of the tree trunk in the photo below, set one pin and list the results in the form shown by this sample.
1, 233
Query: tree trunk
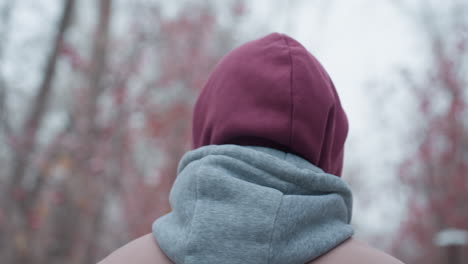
18, 202
91, 192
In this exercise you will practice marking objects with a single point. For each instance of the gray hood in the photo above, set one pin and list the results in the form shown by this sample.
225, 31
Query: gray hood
246, 204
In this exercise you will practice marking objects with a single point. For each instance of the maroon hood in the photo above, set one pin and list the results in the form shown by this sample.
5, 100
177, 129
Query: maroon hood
272, 92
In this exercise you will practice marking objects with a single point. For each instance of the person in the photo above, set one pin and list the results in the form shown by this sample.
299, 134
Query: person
262, 183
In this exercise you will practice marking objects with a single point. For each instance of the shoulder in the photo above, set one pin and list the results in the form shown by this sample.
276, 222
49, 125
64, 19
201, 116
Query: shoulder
143, 250
354, 251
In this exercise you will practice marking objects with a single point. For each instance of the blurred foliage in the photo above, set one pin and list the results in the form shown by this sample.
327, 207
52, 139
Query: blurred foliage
435, 173
73, 192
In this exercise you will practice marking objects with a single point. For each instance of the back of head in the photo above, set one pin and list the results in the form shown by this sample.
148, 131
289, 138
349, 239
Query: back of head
272, 92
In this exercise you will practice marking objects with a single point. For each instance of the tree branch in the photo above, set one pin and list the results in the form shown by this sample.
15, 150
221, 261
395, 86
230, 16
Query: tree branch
37, 111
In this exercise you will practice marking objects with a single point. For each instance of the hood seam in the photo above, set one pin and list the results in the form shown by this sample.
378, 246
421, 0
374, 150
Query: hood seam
290, 92
273, 228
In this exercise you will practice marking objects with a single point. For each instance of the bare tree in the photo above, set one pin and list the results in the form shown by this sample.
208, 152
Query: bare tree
5, 17
89, 134
18, 202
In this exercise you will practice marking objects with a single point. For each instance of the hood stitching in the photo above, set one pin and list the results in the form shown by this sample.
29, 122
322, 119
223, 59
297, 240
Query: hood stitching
290, 91
270, 248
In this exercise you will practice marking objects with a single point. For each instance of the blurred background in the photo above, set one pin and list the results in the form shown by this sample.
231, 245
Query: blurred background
96, 99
